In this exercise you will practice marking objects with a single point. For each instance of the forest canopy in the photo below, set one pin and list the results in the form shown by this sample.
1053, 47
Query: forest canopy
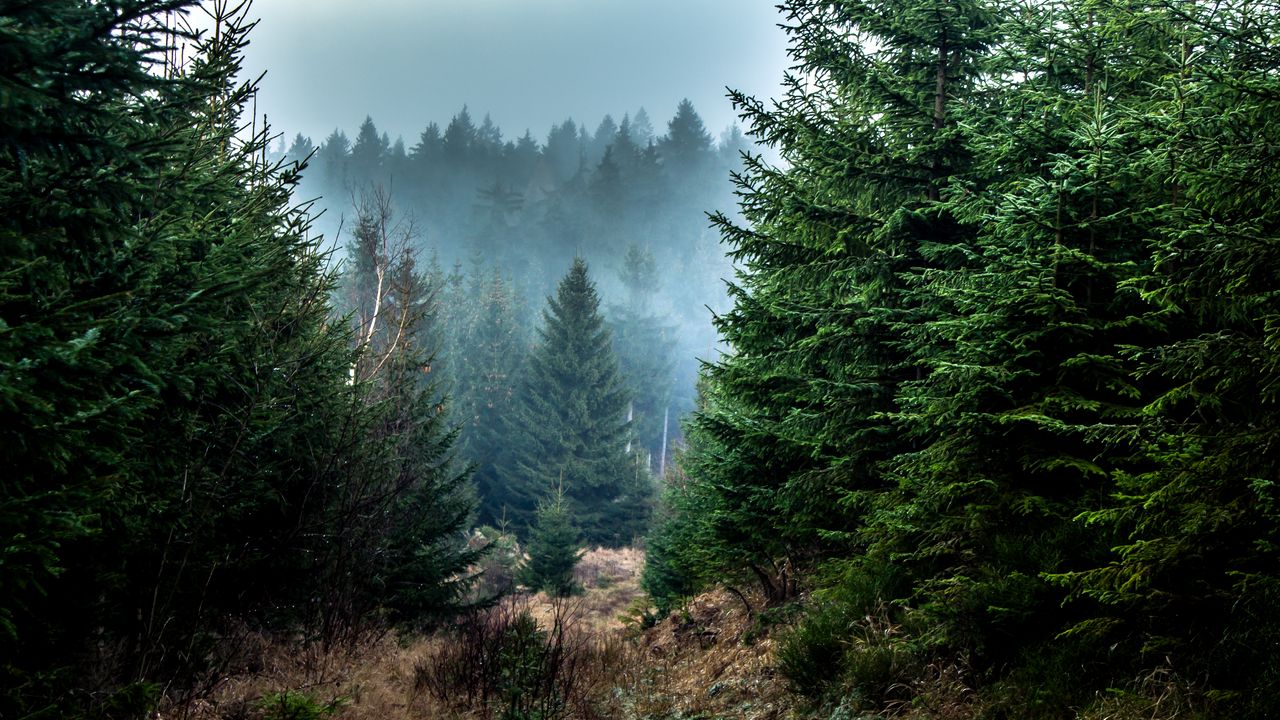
1003, 359
958, 371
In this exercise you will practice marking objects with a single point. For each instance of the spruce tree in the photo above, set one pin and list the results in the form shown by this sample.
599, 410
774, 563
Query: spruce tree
489, 359
646, 354
331, 162
179, 420
687, 144
798, 418
181, 429
405, 503
553, 549
1020, 357
369, 152
1193, 575
570, 422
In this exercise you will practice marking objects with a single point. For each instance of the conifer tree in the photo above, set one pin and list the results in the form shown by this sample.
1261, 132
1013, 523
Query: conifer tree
300, 149
182, 403
1020, 358
1193, 575
800, 407
331, 161
180, 445
602, 139
646, 352
369, 152
642, 128
553, 549
459, 139
570, 421
405, 505
687, 142
485, 391
561, 151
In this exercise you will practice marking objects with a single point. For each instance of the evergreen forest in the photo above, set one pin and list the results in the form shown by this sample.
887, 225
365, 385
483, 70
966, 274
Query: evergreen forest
946, 388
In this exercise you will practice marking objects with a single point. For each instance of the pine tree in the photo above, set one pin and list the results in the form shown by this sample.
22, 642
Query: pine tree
1002, 328
687, 143
1019, 355
797, 415
1193, 575
485, 392
180, 445
368, 154
406, 504
561, 152
331, 162
300, 149
187, 388
496, 209
459, 139
553, 549
642, 128
646, 354
602, 140
570, 421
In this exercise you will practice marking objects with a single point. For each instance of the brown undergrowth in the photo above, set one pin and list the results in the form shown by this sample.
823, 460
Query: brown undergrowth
529, 656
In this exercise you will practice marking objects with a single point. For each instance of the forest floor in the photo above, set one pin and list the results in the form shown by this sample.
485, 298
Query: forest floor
711, 659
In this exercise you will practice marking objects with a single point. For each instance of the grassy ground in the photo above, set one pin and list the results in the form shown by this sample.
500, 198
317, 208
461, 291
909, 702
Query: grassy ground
712, 659
708, 660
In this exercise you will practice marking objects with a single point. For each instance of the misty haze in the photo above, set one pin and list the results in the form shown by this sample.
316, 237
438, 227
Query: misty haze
662, 360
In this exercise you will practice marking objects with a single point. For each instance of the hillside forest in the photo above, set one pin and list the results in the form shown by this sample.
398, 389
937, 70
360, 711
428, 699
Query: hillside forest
945, 388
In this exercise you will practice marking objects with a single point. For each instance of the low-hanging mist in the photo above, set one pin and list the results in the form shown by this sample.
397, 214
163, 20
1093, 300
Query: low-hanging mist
477, 207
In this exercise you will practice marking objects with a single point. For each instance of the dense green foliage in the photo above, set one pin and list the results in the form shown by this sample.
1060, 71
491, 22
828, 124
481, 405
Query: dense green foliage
570, 426
553, 549
1003, 356
192, 445
488, 356
400, 516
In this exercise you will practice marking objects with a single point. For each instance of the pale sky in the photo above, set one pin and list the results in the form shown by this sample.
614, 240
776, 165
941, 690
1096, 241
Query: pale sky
528, 63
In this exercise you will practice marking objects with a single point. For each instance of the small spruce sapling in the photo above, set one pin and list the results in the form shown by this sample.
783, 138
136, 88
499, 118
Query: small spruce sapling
553, 549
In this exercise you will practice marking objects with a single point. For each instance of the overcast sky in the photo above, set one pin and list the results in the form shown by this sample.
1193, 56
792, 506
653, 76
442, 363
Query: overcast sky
528, 63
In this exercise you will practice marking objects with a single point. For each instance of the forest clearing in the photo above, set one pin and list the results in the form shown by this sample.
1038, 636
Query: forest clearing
709, 660
943, 383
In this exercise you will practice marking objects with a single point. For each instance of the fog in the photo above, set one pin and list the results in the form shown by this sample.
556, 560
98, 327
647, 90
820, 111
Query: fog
529, 63
508, 138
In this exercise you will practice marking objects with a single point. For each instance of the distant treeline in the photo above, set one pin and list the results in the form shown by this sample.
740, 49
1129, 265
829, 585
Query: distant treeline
496, 223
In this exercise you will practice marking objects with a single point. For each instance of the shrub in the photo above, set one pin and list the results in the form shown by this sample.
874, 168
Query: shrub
553, 550
499, 563
292, 705
861, 660
811, 655
501, 663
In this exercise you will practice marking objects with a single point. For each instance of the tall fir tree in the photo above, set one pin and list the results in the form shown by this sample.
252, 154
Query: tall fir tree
485, 392
646, 351
369, 152
570, 422
801, 406
183, 432
401, 517
1193, 577
176, 409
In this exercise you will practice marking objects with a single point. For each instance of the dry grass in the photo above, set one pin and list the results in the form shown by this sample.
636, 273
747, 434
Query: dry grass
1161, 694
610, 579
697, 663
694, 663
373, 678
